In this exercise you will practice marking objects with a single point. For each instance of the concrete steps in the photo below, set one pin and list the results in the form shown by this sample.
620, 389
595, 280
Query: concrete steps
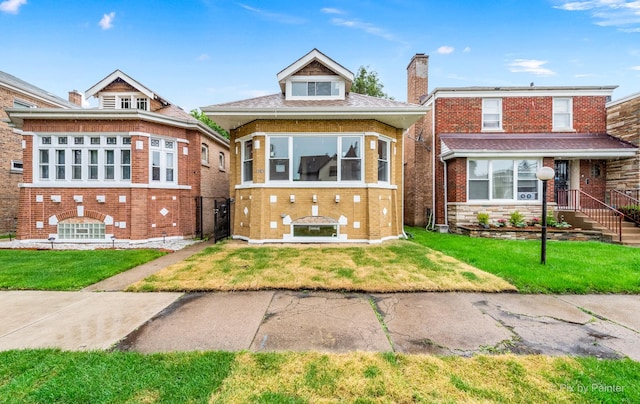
630, 232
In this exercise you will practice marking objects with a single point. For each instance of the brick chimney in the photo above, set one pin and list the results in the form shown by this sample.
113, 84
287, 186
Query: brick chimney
417, 78
75, 97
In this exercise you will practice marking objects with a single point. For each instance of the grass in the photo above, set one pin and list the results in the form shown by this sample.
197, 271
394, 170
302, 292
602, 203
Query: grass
67, 269
572, 267
51, 376
398, 266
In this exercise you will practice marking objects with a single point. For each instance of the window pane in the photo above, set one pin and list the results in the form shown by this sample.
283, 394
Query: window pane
247, 170
44, 156
279, 158
479, 169
93, 172
527, 180
311, 88
315, 158
248, 150
502, 176
478, 189
155, 166
323, 88
561, 121
299, 88
383, 157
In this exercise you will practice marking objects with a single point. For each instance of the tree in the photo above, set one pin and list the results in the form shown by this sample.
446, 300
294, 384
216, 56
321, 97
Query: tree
199, 115
367, 82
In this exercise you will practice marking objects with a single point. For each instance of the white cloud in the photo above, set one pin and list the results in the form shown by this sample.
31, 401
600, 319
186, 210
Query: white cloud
203, 56
623, 14
467, 49
635, 68
364, 26
107, 20
12, 6
329, 10
445, 50
530, 66
277, 17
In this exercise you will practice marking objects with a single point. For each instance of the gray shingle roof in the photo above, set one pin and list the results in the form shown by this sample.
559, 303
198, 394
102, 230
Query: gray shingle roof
352, 100
21, 85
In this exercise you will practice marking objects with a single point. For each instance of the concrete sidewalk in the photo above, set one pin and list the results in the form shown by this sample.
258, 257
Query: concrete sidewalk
435, 323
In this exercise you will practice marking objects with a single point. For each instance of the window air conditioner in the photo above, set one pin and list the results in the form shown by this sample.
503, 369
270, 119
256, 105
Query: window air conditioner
527, 196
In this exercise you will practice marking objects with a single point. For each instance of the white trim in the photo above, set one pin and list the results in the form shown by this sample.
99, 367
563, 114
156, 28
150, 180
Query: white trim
118, 75
306, 239
575, 153
622, 100
78, 184
317, 184
502, 92
320, 57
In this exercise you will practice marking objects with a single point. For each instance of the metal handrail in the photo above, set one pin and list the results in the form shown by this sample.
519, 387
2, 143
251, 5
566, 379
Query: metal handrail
620, 199
580, 201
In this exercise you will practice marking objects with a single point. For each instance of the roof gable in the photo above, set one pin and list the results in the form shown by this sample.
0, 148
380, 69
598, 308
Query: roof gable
115, 78
13, 83
315, 63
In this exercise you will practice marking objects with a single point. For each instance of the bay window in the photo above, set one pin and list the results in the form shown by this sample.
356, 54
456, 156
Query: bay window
502, 180
315, 158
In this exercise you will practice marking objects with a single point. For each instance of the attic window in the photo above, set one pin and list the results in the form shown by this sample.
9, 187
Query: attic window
315, 88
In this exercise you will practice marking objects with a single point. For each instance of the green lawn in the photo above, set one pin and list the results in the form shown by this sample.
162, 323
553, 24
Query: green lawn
572, 267
51, 376
68, 269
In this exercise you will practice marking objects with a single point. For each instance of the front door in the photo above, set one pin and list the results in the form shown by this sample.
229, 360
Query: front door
561, 182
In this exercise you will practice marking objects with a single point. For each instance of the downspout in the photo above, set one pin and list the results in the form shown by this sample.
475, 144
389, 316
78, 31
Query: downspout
404, 235
433, 159
446, 199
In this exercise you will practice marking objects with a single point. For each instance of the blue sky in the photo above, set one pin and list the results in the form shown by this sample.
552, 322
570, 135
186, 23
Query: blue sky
202, 52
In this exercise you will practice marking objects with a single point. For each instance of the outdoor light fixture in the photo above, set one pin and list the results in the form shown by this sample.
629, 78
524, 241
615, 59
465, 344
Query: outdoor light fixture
164, 237
544, 174
51, 239
113, 242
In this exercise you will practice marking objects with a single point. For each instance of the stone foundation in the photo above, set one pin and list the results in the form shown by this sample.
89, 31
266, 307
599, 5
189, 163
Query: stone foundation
467, 214
513, 233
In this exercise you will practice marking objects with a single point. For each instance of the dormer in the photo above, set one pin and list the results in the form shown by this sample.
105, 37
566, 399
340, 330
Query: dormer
313, 77
119, 91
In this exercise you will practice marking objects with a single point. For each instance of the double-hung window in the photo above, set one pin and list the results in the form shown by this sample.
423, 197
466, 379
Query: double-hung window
491, 114
502, 180
383, 160
562, 114
247, 161
163, 160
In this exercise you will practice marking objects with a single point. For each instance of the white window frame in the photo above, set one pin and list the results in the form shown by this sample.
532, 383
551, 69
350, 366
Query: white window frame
221, 161
247, 177
517, 196
17, 167
51, 145
116, 100
335, 82
168, 160
564, 112
291, 168
204, 154
384, 159
489, 124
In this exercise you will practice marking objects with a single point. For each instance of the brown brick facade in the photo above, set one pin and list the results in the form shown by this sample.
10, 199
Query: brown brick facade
263, 212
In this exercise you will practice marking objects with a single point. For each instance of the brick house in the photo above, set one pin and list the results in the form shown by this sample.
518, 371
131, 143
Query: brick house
16, 93
478, 148
623, 122
316, 162
132, 168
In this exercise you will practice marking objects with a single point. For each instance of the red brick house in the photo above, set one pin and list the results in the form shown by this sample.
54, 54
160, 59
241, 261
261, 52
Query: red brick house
130, 169
478, 148
16, 93
316, 162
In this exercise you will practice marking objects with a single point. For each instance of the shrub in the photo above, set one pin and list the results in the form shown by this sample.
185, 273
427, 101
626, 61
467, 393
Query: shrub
631, 211
483, 219
517, 219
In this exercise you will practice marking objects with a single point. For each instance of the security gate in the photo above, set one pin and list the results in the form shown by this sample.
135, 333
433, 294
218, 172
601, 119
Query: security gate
213, 217
222, 219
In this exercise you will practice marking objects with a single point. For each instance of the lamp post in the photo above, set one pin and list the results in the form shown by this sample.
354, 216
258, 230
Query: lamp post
544, 174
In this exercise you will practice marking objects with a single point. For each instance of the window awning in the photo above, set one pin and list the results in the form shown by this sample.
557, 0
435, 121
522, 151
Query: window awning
568, 145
